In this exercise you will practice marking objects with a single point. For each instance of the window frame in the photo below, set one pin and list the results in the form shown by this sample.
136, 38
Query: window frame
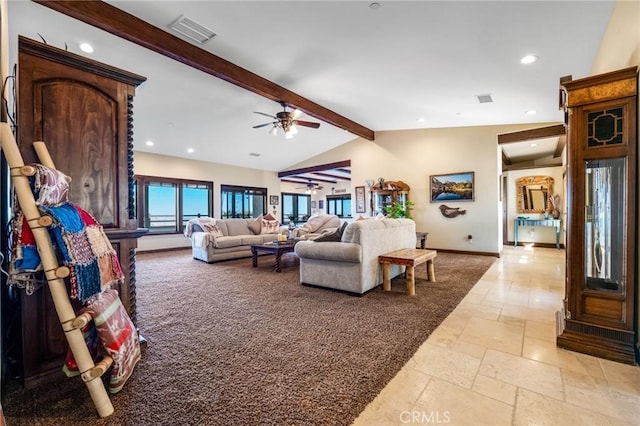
334, 200
300, 218
241, 189
141, 185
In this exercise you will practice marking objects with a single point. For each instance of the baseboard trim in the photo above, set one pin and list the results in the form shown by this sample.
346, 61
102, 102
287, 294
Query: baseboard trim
477, 253
543, 245
164, 249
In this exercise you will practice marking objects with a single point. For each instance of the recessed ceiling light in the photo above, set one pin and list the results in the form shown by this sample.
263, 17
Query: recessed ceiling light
420, 119
149, 143
254, 154
532, 112
374, 6
533, 145
86, 47
190, 150
529, 59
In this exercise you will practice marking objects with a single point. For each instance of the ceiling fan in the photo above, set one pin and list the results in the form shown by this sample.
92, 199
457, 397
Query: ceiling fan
310, 186
287, 121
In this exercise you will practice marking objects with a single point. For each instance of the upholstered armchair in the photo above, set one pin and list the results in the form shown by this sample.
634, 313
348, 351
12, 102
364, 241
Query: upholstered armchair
317, 225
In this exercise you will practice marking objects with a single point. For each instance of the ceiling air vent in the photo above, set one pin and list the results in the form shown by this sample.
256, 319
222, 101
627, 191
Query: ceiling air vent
190, 28
484, 99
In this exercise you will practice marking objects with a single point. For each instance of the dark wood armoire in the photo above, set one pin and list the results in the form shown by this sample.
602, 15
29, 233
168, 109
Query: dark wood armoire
601, 285
82, 110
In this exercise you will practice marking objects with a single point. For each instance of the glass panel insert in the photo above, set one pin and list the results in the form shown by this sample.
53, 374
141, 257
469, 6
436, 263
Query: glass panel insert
605, 189
605, 127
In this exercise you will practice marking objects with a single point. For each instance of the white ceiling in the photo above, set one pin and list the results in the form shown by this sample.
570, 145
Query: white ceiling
383, 68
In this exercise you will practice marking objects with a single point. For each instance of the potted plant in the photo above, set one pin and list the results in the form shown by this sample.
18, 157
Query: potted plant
397, 210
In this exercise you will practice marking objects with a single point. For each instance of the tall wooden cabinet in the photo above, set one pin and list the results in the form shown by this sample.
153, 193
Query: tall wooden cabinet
601, 287
82, 110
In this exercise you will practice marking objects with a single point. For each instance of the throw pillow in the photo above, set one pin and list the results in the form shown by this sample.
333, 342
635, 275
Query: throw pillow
379, 216
270, 226
333, 236
212, 228
256, 225
50, 186
268, 216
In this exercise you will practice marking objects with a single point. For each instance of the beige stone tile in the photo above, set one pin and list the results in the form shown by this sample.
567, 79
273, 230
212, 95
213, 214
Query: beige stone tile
495, 389
530, 314
444, 336
398, 396
499, 297
493, 334
548, 352
541, 299
445, 364
474, 297
405, 387
596, 395
525, 373
536, 409
471, 349
538, 330
622, 377
457, 320
453, 405
473, 310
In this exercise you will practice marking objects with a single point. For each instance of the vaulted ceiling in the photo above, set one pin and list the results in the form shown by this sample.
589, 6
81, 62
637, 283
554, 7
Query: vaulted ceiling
390, 65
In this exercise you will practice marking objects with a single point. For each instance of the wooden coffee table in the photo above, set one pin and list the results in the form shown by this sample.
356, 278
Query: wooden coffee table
409, 258
277, 249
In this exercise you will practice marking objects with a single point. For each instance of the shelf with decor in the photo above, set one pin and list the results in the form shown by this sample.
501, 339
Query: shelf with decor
384, 193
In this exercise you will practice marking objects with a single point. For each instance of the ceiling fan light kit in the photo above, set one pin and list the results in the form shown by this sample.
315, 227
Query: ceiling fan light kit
287, 121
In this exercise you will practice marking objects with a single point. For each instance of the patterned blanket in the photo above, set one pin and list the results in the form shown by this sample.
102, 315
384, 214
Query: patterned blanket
76, 235
82, 244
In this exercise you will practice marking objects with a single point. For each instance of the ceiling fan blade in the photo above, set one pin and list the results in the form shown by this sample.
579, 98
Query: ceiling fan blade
265, 114
262, 125
307, 124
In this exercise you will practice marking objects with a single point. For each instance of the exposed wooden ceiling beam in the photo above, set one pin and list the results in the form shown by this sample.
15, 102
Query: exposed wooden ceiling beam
319, 168
562, 141
115, 21
305, 181
525, 135
329, 175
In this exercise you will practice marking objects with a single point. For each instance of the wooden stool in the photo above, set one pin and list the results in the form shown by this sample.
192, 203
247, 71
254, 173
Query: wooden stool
409, 258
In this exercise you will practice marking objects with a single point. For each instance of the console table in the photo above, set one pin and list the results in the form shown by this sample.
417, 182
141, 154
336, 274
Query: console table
553, 223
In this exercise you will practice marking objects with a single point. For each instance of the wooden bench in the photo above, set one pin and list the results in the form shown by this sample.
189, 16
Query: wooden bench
409, 258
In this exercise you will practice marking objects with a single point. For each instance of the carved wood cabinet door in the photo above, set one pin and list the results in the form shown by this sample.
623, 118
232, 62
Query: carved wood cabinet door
82, 110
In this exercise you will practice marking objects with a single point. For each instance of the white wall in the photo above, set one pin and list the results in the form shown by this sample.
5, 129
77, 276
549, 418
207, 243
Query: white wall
533, 234
413, 155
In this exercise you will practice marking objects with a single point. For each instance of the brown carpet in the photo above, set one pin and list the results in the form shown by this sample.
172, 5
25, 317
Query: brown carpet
229, 344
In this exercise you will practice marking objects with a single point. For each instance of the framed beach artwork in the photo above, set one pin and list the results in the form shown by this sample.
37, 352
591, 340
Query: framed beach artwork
452, 187
273, 200
360, 200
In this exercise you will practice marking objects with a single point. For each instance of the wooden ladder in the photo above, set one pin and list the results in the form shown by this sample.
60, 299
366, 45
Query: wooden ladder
54, 272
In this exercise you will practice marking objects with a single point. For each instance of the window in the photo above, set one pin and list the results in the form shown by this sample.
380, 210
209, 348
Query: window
165, 205
242, 201
340, 205
295, 207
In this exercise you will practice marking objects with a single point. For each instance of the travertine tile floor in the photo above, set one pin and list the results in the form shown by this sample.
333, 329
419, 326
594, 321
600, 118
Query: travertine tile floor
494, 360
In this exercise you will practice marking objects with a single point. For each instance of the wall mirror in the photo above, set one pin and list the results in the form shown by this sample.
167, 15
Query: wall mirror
534, 193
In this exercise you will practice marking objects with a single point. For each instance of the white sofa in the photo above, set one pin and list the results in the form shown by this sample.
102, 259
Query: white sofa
352, 264
231, 240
